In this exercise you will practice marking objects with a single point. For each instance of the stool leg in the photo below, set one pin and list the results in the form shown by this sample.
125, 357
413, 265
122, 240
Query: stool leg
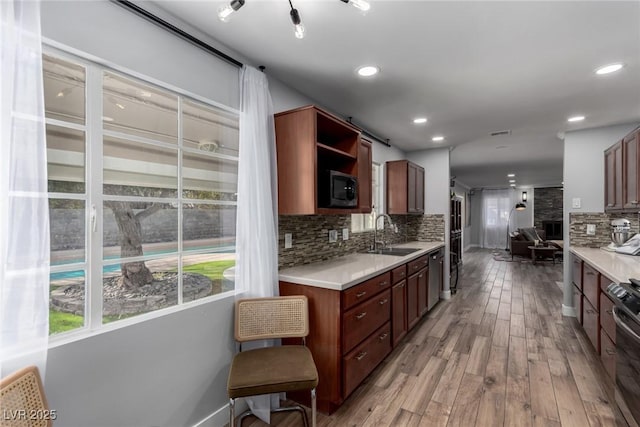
313, 407
232, 412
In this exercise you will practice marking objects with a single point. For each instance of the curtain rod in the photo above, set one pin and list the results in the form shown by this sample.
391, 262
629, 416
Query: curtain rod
172, 28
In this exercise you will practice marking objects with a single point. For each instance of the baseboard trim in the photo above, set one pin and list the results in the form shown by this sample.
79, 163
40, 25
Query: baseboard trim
221, 417
568, 311
445, 294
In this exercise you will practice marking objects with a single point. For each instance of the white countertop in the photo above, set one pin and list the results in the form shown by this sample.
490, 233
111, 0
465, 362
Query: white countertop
342, 273
617, 267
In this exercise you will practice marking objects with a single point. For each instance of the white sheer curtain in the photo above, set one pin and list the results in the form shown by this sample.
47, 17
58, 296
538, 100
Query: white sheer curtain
24, 214
496, 205
257, 220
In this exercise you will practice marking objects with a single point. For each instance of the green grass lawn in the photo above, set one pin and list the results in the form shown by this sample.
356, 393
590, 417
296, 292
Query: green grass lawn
212, 269
62, 322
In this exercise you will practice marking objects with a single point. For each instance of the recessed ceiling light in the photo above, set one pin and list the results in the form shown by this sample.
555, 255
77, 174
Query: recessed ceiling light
420, 120
512, 180
368, 71
513, 185
437, 138
575, 119
511, 175
611, 68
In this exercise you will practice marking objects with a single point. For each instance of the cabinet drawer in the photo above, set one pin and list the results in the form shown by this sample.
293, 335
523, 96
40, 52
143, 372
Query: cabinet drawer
398, 274
365, 318
365, 290
576, 265
606, 317
590, 320
364, 358
577, 303
417, 264
608, 354
591, 285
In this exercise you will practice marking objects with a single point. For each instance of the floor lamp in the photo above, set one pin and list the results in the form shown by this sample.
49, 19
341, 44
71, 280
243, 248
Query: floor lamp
518, 207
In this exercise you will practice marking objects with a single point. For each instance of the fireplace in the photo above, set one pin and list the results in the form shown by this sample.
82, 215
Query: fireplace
553, 228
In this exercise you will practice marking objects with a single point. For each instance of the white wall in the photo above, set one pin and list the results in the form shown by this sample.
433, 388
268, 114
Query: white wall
584, 179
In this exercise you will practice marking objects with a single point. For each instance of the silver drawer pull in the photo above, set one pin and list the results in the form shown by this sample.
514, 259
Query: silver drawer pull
361, 294
384, 301
610, 352
420, 275
383, 283
361, 356
415, 267
383, 336
361, 315
610, 205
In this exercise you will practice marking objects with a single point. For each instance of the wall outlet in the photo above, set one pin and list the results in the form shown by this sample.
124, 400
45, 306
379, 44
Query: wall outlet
576, 203
591, 229
333, 236
288, 240
345, 234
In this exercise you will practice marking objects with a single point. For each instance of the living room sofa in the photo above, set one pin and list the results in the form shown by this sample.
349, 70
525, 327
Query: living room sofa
523, 238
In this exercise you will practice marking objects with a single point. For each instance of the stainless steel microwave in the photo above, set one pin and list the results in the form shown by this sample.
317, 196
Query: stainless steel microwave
337, 190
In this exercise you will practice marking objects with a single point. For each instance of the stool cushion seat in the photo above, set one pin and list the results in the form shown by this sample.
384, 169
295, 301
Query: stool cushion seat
272, 370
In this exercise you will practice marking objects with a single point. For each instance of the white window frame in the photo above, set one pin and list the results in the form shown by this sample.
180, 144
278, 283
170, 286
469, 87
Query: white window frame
93, 196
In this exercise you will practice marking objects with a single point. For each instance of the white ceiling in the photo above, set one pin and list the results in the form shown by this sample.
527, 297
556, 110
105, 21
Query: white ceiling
470, 67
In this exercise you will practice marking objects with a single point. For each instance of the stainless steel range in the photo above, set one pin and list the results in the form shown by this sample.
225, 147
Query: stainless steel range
626, 314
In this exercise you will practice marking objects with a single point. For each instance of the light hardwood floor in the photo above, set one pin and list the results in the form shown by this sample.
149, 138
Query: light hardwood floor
498, 353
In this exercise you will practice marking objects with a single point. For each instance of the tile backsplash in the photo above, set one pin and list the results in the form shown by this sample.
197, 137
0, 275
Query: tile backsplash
578, 227
311, 236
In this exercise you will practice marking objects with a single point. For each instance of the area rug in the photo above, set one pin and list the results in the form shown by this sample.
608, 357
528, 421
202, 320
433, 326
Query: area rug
502, 256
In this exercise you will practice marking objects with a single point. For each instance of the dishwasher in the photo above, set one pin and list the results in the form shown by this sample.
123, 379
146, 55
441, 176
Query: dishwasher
435, 277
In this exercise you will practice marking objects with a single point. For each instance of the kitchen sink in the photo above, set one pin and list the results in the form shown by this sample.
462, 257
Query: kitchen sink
395, 251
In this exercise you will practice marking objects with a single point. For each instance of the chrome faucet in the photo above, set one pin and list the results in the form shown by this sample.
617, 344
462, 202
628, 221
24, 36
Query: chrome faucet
374, 247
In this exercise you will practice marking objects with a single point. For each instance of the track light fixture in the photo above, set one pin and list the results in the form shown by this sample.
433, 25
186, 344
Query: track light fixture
363, 5
225, 12
297, 22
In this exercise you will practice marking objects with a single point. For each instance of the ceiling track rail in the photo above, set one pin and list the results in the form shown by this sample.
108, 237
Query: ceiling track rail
366, 133
175, 30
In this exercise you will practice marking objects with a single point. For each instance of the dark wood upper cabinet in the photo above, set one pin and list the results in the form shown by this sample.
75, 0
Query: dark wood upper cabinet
622, 174
364, 176
613, 177
310, 141
631, 170
405, 187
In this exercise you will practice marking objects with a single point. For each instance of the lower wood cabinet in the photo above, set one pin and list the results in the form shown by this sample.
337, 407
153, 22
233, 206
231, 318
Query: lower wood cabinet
577, 303
363, 359
352, 331
591, 323
398, 304
608, 354
595, 311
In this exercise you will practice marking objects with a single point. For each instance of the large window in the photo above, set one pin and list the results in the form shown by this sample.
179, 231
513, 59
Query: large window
142, 189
